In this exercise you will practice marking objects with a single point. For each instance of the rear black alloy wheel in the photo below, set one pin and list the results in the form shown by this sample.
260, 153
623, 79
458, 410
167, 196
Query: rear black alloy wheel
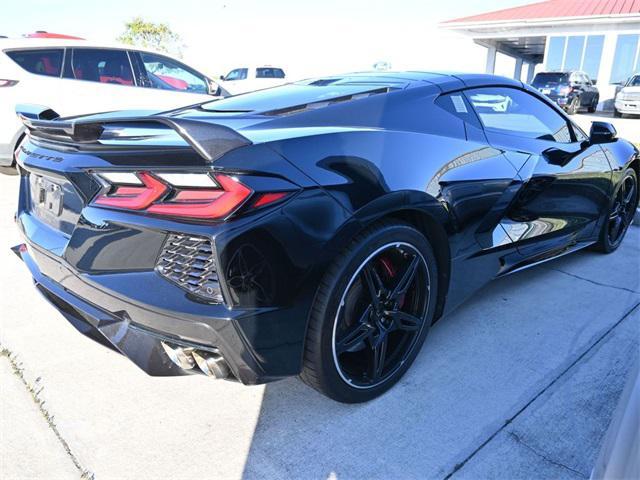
381, 315
621, 213
371, 314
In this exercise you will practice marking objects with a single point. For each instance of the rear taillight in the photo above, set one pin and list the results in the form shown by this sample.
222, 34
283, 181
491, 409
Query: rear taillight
191, 195
133, 195
204, 204
7, 83
564, 91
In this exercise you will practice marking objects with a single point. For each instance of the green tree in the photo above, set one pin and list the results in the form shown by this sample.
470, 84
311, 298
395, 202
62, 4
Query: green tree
157, 36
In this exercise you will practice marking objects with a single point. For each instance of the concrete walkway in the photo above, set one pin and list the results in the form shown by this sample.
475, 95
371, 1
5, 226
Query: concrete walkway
519, 382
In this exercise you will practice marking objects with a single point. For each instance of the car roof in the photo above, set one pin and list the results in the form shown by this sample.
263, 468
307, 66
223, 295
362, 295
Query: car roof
445, 80
20, 43
317, 92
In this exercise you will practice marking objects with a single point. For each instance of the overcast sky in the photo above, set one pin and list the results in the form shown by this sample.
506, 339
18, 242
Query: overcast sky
306, 37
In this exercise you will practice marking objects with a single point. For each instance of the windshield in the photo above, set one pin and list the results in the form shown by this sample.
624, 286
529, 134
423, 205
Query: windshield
547, 78
633, 81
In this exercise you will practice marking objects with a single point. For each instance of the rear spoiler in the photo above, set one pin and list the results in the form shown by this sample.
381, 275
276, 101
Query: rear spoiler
209, 140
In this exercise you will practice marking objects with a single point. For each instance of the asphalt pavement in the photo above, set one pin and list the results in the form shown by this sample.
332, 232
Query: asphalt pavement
520, 382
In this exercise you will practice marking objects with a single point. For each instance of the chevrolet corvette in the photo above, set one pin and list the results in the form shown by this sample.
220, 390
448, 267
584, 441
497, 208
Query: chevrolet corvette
317, 228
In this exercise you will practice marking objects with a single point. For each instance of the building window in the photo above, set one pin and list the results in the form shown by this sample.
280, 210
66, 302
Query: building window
555, 53
575, 53
592, 56
573, 57
626, 58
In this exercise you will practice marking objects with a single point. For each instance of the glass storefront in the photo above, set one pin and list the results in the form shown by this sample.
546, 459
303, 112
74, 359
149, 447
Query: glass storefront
626, 59
575, 52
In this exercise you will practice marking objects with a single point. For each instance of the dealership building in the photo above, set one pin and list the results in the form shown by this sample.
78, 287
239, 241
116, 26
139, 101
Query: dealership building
599, 37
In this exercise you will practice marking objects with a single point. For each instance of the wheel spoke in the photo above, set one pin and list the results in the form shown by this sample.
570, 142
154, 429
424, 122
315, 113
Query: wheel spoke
358, 333
615, 231
405, 321
614, 215
379, 357
374, 283
628, 196
407, 278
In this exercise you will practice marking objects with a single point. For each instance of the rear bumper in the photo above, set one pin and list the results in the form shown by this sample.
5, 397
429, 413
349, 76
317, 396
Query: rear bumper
561, 101
125, 328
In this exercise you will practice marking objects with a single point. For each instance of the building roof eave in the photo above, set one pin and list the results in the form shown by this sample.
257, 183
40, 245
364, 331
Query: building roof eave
539, 22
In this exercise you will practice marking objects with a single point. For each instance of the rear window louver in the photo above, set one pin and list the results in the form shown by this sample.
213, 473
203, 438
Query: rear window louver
323, 82
325, 103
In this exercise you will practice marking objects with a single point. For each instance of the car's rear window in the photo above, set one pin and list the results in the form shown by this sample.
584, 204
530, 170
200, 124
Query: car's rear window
46, 62
551, 77
269, 72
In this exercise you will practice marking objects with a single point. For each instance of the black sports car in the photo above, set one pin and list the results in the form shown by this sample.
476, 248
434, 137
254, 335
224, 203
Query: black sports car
314, 229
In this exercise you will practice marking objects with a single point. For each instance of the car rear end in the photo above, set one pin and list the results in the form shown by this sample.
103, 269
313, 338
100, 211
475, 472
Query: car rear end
555, 85
176, 243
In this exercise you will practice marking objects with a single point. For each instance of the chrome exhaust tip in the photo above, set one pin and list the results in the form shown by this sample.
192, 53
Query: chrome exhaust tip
181, 356
211, 364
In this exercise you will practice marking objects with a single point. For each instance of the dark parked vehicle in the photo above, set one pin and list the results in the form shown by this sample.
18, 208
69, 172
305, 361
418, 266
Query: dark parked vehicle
570, 90
314, 229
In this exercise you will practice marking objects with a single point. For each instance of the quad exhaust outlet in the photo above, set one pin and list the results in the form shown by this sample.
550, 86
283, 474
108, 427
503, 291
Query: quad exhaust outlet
213, 365
210, 363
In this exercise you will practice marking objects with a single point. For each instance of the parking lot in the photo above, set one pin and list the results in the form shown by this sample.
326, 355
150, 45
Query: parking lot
519, 382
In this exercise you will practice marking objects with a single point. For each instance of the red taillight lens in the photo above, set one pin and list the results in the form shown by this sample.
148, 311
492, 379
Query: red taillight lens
565, 91
267, 198
216, 203
134, 198
7, 83
178, 195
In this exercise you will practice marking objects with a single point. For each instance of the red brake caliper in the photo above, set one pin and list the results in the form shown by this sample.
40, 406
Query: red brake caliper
391, 273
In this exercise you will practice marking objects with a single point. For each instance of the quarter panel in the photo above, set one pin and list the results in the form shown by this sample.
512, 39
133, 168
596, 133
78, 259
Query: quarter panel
463, 185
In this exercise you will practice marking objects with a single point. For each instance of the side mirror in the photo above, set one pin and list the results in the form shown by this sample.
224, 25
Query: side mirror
221, 77
602, 132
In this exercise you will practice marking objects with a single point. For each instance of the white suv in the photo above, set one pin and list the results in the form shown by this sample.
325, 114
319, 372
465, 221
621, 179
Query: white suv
628, 98
75, 77
248, 79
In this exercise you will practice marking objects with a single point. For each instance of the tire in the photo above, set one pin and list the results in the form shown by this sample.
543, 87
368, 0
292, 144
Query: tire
624, 209
594, 105
572, 109
616, 113
326, 370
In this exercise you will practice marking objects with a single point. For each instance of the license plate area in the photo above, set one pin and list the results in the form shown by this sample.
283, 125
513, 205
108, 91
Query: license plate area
546, 91
54, 201
46, 197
